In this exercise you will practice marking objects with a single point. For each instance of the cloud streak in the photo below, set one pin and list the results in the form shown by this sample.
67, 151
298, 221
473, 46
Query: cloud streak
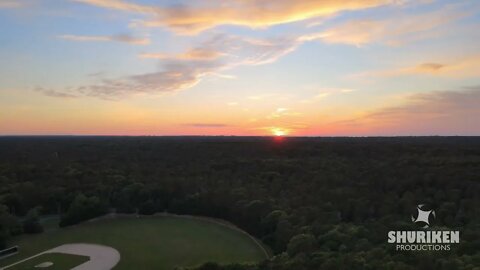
206, 125
392, 31
54, 93
433, 113
193, 54
185, 70
467, 66
194, 18
8, 4
173, 77
124, 38
326, 92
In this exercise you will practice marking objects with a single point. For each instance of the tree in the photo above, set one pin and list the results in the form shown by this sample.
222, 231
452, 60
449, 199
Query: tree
8, 225
3, 234
31, 223
282, 235
83, 208
301, 243
269, 223
147, 208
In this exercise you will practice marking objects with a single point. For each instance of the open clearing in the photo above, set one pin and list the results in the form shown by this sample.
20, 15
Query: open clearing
150, 242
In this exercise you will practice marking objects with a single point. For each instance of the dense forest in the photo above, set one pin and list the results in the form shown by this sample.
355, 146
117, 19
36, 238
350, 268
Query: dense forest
318, 203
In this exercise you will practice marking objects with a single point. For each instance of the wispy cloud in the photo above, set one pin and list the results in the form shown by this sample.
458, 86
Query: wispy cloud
201, 16
174, 76
441, 112
207, 125
392, 31
125, 38
325, 92
54, 93
282, 112
212, 57
193, 54
4, 4
466, 66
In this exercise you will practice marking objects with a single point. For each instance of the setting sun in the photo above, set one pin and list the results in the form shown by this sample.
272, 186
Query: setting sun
279, 132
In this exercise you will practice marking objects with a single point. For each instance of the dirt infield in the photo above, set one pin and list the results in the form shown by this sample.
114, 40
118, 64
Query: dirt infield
101, 257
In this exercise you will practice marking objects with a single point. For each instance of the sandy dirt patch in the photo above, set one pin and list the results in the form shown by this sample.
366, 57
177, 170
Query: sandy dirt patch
101, 257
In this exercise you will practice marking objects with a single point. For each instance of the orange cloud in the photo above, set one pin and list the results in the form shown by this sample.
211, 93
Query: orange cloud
391, 31
468, 66
120, 5
250, 13
282, 112
193, 54
433, 113
125, 38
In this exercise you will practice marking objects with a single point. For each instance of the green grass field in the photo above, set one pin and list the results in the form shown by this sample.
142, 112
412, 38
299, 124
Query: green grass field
60, 262
150, 242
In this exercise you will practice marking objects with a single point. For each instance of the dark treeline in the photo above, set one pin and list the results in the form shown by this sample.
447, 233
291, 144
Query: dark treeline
318, 203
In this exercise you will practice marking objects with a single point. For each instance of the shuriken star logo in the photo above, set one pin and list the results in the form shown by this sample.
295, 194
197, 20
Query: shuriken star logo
423, 216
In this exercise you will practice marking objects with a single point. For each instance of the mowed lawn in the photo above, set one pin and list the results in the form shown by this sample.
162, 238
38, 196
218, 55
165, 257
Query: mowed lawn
150, 242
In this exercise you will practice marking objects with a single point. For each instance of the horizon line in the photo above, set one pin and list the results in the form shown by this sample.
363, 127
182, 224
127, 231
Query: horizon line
236, 136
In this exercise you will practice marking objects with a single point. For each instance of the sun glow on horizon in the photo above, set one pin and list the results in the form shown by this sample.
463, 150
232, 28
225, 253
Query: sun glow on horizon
279, 132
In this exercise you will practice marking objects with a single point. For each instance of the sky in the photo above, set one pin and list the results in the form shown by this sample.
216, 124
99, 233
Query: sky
240, 67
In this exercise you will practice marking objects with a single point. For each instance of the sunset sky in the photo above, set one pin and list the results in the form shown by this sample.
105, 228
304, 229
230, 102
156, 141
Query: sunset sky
240, 67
